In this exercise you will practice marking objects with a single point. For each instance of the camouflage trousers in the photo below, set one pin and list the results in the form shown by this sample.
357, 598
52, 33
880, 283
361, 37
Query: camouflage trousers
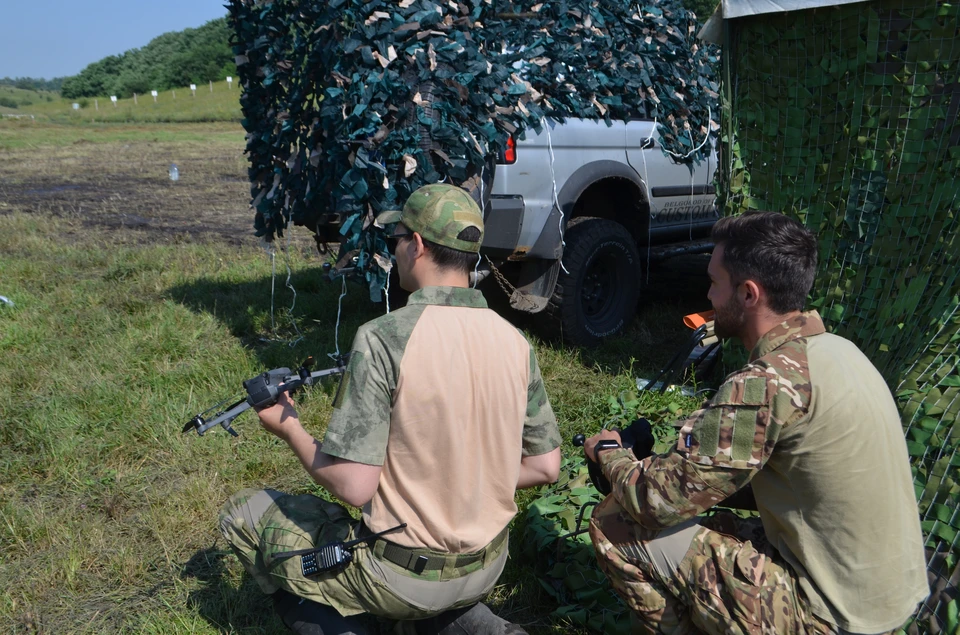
718, 576
261, 523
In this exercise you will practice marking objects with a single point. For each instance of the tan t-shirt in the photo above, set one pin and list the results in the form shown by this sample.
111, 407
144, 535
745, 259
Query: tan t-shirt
446, 396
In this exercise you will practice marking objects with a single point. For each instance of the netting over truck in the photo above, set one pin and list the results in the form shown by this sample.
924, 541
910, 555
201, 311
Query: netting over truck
846, 118
350, 105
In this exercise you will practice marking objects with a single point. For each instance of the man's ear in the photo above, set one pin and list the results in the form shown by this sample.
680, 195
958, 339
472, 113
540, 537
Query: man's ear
416, 243
751, 293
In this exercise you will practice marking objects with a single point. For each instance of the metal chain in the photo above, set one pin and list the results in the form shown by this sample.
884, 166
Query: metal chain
508, 288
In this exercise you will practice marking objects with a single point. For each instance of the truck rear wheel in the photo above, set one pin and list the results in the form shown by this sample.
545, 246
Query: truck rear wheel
598, 297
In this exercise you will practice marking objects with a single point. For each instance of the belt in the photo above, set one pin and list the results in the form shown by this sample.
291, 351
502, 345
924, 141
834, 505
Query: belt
420, 560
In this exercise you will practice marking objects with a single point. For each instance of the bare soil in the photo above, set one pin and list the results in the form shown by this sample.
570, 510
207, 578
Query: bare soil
123, 191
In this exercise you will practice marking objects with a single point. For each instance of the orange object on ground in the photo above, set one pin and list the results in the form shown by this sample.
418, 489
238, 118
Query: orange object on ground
694, 320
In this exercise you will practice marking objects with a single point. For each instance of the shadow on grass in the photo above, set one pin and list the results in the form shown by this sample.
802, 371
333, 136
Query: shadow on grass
229, 610
258, 313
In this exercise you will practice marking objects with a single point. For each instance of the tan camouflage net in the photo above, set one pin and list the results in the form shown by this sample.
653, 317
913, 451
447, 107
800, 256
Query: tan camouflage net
847, 119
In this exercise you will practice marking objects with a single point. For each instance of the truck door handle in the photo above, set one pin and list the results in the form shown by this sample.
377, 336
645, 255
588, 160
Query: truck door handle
647, 143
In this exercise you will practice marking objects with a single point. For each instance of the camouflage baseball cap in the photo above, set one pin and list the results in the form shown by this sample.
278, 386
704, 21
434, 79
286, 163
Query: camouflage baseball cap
439, 213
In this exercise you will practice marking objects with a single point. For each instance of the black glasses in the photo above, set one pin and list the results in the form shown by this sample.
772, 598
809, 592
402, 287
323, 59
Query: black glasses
394, 239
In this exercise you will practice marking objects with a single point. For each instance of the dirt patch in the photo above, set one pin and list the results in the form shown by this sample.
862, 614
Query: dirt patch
123, 189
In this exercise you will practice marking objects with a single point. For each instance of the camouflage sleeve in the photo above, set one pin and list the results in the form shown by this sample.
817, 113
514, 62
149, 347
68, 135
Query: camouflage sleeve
360, 424
540, 431
719, 450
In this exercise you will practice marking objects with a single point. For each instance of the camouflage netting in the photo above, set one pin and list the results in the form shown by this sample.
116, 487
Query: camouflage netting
847, 119
350, 105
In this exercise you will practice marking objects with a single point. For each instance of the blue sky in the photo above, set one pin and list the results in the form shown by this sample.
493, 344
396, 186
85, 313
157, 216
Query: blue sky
54, 38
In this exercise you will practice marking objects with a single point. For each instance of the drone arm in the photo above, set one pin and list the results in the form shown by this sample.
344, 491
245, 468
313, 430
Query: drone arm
224, 419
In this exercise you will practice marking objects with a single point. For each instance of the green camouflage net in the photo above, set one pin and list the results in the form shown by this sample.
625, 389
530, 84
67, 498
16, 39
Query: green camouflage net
847, 119
350, 105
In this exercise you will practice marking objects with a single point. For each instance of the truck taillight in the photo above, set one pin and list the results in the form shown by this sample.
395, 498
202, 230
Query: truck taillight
510, 152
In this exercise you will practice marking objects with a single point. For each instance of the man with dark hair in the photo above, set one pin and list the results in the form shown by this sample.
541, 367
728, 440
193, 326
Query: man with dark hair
440, 417
810, 429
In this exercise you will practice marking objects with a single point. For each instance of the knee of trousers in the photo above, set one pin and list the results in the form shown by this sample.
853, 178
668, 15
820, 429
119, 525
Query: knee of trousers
637, 556
231, 511
615, 541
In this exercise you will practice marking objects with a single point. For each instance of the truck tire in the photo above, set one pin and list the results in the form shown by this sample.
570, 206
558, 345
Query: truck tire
598, 297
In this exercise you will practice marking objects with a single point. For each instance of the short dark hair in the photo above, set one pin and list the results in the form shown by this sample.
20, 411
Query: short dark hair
773, 250
454, 259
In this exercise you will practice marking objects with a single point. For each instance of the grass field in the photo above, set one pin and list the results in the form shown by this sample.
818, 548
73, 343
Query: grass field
138, 302
178, 105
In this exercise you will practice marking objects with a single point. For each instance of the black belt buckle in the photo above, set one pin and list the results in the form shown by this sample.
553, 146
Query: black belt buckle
420, 564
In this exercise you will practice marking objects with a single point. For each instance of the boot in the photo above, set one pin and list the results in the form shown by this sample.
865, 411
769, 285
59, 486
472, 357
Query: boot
472, 620
306, 617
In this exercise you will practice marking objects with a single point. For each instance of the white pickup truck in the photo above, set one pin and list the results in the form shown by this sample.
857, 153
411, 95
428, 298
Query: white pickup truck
578, 212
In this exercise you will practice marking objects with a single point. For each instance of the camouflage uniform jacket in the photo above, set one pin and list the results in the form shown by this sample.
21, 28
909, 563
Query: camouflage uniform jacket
811, 422
724, 444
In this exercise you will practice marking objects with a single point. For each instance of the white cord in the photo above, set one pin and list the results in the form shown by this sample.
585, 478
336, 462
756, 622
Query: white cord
336, 329
293, 304
271, 248
553, 178
477, 266
646, 184
699, 147
386, 291
476, 275
273, 287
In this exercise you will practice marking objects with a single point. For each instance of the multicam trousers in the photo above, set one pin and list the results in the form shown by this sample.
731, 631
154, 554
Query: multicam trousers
261, 523
717, 576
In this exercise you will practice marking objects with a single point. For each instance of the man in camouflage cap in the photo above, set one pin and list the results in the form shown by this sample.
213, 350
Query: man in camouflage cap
809, 431
440, 417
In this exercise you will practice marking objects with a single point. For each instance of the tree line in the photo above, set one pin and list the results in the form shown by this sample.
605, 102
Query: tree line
33, 83
169, 61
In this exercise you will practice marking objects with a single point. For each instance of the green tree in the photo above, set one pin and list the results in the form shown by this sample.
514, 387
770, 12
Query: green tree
95, 80
170, 60
33, 83
703, 8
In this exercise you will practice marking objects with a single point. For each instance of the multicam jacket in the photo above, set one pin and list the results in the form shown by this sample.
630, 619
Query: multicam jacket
811, 424
724, 444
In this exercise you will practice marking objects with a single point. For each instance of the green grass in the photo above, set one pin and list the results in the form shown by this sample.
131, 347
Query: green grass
178, 105
12, 99
118, 335
25, 133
